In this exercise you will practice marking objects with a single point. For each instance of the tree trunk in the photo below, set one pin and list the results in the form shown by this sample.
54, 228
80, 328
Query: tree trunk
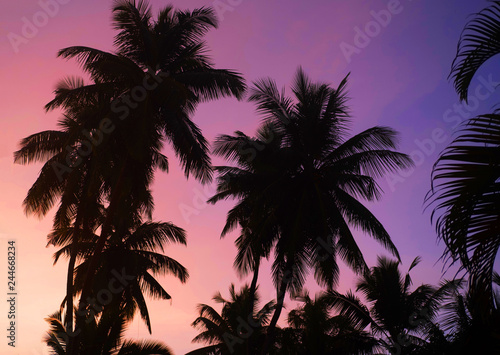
253, 288
253, 285
95, 258
69, 280
277, 312
69, 288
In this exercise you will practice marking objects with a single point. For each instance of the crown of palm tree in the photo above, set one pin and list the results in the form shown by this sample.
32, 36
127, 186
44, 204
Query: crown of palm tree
134, 253
104, 337
297, 184
307, 177
223, 331
402, 319
314, 330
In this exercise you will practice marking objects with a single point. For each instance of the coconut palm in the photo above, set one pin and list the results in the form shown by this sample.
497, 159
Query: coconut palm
233, 330
400, 318
251, 244
105, 338
478, 43
78, 189
82, 181
132, 253
156, 78
463, 320
299, 196
313, 330
160, 65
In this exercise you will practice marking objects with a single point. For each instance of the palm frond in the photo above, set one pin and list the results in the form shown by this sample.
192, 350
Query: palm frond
478, 43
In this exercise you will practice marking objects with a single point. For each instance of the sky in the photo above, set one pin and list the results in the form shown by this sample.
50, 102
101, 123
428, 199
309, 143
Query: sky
399, 54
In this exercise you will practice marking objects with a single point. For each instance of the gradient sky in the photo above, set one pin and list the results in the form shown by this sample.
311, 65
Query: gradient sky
398, 79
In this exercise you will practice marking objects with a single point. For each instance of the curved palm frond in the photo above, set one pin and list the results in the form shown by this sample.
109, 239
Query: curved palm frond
478, 43
464, 194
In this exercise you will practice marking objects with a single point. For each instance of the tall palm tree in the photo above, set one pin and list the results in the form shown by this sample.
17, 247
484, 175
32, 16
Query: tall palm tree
143, 95
399, 317
79, 190
301, 197
313, 330
251, 244
233, 330
85, 183
478, 43
167, 54
105, 339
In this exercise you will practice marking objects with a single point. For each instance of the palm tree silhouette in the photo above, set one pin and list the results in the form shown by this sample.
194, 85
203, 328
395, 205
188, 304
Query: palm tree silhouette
300, 195
234, 330
170, 51
132, 253
464, 193
465, 177
313, 330
143, 95
468, 330
399, 317
105, 338
79, 190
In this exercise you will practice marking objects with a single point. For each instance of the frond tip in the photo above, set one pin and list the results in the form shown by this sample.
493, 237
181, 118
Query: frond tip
478, 43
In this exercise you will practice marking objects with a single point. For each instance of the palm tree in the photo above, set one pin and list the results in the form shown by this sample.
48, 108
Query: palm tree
314, 331
399, 317
83, 188
251, 244
464, 322
132, 253
465, 176
465, 187
160, 64
104, 339
234, 330
79, 190
478, 43
300, 196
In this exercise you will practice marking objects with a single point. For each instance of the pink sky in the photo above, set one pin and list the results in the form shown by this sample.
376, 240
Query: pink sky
398, 79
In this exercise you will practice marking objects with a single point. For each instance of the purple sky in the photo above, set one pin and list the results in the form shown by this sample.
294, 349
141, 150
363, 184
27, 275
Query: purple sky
398, 78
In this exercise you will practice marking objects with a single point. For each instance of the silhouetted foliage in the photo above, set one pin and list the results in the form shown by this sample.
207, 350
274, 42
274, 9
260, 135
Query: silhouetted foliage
299, 195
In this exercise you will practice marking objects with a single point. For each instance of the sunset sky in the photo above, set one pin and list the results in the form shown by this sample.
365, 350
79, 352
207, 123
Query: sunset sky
399, 65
